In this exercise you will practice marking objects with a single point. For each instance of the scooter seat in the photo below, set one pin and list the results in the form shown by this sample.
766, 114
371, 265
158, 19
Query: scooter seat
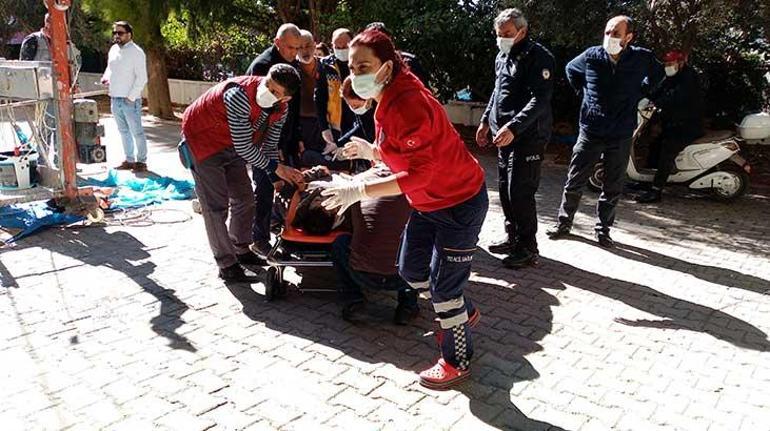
714, 136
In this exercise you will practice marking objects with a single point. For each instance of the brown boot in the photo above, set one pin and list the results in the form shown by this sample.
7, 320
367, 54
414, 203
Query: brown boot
125, 166
140, 167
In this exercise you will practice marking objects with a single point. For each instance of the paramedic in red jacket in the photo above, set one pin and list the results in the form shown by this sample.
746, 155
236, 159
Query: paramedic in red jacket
237, 122
442, 181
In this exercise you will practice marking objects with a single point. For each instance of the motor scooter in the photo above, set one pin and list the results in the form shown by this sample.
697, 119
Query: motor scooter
710, 164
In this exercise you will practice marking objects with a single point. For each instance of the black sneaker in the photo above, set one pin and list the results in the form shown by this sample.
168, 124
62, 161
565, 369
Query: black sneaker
250, 258
504, 247
604, 239
559, 230
521, 259
261, 249
236, 273
405, 314
649, 197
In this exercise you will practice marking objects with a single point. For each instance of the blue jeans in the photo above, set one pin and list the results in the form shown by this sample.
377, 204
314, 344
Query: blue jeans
588, 150
128, 116
437, 250
352, 281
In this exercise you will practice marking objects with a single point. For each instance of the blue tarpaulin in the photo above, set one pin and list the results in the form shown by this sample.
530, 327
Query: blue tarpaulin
130, 192
32, 217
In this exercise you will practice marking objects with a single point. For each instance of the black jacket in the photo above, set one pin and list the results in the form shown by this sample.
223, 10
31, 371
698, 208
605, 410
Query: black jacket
415, 67
521, 100
611, 91
680, 101
290, 135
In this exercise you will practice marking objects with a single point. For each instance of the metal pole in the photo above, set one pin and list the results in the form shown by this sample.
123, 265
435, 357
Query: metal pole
60, 58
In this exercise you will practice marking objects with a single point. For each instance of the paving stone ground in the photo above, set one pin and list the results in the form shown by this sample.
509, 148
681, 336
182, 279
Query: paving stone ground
128, 328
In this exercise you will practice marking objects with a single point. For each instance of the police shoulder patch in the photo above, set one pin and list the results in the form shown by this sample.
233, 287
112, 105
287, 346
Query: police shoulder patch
546, 74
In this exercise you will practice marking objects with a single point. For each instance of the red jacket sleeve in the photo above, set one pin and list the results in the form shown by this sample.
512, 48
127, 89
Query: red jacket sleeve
414, 123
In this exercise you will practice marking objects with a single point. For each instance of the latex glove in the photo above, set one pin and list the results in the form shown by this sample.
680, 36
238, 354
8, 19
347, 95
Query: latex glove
342, 197
327, 136
330, 148
339, 154
359, 148
338, 180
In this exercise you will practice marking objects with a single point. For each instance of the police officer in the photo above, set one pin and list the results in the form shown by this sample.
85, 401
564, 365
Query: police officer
519, 118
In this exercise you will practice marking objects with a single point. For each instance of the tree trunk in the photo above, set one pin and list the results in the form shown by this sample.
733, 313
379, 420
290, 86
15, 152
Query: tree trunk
158, 95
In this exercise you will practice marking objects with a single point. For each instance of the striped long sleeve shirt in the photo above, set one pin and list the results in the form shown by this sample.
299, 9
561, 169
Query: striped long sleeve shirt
263, 155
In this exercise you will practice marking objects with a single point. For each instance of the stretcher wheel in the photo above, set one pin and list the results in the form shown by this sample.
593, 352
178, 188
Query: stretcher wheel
272, 283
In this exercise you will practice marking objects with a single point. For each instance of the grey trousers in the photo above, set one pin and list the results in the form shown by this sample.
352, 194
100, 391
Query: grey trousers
224, 188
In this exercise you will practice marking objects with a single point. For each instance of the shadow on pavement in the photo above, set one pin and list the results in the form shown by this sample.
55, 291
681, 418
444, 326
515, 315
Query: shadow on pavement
119, 251
514, 320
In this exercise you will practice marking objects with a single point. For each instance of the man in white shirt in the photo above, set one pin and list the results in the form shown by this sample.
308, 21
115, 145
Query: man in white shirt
126, 76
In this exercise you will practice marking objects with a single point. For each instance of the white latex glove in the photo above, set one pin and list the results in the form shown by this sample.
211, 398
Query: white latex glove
339, 154
344, 196
338, 180
330, 148
327, 136
359, 148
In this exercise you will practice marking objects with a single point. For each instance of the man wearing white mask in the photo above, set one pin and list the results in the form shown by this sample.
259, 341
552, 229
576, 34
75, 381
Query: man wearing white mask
334, 116
311, 146
610, 78
236, 122
679, 100
519, 118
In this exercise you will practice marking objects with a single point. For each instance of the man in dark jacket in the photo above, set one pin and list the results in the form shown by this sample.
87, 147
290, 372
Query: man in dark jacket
610, 77
286, 45
678, 98
519, 117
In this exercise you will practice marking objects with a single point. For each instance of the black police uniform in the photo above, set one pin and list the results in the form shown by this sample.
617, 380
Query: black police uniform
521, 101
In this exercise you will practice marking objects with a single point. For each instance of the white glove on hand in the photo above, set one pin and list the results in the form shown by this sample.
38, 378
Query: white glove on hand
339, 154
343, 196
328, 136
359, 148
330, 148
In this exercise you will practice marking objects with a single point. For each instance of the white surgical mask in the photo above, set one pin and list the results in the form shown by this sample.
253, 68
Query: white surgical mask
612, 45
671, 70
361, 110
265, 97
504, 44
341, 54
366, 86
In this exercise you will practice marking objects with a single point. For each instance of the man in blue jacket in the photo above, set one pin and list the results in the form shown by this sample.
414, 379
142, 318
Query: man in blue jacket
519, 118
610, 77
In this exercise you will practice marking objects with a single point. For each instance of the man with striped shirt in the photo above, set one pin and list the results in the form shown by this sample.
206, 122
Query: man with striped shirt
237, 122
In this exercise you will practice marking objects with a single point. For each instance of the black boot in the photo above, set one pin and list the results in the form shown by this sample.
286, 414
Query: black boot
653, 195
559, 230
236, 273
504, 247
352, 311
522, 258
604, 239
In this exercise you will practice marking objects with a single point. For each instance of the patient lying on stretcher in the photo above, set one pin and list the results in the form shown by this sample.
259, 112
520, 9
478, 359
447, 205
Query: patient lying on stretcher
310, 216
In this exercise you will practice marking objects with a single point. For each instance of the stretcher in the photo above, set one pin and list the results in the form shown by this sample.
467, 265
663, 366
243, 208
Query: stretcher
297, 249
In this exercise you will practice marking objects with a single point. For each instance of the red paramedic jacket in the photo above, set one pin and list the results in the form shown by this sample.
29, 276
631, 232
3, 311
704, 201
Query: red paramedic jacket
415, 136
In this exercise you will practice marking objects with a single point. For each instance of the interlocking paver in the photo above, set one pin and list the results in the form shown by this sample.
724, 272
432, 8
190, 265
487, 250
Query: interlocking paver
128, 327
